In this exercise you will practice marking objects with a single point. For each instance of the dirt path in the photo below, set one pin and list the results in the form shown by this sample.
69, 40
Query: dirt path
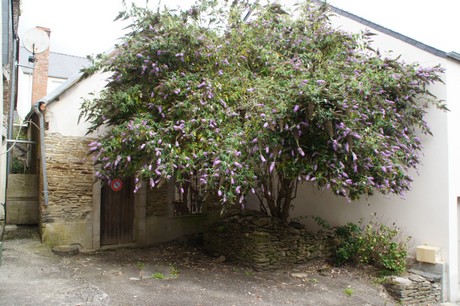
170, 274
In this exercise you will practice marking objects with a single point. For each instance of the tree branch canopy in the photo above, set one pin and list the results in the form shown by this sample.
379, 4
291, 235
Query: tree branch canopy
203, 92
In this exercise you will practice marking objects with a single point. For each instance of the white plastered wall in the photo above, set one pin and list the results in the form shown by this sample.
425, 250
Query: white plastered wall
63, 116
24, 103
428, 211
424, 212
453, 103
54, 83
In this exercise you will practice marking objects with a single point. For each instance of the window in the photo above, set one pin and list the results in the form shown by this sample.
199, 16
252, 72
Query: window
188, 198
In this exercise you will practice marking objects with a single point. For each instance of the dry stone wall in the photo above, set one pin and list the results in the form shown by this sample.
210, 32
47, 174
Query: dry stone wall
264, 243
70, 179
416, 288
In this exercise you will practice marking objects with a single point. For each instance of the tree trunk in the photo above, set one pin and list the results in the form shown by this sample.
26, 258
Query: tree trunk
278, 202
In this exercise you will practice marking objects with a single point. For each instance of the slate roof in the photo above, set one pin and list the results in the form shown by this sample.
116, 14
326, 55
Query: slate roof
61, 65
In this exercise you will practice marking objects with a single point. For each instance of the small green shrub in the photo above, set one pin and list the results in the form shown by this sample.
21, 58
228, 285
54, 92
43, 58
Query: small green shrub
374, 243
348, 243
18, 166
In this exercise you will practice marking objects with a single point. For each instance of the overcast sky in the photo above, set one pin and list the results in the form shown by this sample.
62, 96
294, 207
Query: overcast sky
86, 26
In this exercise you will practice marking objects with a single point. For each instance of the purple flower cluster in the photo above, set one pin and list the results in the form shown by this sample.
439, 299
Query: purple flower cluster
270, 104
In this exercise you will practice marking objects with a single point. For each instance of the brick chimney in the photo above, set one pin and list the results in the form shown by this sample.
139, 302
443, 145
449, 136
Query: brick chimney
40, 74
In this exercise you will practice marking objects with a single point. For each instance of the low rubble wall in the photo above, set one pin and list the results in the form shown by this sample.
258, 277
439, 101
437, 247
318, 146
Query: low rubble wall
264, 243
416, 288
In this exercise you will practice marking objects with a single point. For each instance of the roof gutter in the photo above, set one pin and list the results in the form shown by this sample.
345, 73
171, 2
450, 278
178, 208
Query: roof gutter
36, 108
454, 56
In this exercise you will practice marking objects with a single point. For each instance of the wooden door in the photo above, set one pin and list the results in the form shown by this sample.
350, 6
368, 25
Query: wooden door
117, 214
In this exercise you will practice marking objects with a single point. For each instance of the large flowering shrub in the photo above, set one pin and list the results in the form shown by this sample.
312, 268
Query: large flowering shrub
248, 98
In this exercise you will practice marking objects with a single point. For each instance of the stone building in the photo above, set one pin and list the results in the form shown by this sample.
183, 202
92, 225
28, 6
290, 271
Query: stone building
77, 209
37, 75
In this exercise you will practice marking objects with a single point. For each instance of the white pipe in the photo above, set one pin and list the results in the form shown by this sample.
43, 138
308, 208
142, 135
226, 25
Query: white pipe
20, 141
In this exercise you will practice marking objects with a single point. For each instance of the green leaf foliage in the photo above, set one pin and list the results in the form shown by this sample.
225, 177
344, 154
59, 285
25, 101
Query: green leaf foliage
373, 243
257, 98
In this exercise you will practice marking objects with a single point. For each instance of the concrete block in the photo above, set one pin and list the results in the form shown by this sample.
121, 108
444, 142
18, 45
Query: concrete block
430, 254
22, 212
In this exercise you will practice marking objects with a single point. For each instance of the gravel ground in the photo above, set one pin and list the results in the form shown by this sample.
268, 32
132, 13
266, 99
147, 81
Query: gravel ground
170, 274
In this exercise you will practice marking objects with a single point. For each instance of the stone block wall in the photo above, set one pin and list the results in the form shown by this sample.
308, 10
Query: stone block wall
264, 243
70, 188
163, 228
157, 201
162, 225
416, 288
212, 203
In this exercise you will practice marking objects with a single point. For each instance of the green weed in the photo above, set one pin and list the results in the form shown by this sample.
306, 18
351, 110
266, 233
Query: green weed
249, 273
348, 291
140, 265
158, 275
173, 271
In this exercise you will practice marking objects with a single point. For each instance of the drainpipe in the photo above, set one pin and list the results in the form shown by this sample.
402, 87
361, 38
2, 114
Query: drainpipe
13, 78
36, 107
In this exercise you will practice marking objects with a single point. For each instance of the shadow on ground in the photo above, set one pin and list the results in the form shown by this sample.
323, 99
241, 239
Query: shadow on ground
169, 274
